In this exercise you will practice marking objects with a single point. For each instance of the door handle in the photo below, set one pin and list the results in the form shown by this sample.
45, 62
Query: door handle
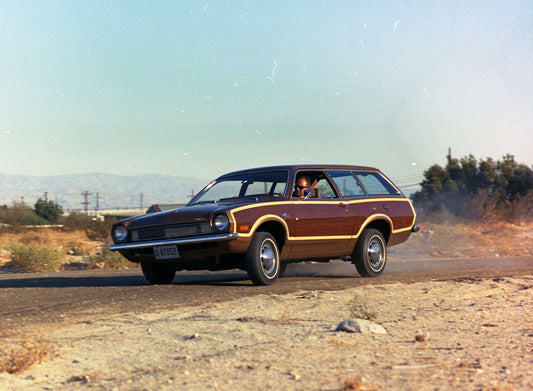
343, 205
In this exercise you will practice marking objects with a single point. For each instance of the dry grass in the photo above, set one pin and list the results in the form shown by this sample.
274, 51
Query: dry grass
19, 356
108, 259
453, 239
441, 236
35, 258
71, 244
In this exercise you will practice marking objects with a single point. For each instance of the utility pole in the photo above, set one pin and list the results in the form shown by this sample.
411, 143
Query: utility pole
86, 202
97, 203
46, 197
449, 157
142, 195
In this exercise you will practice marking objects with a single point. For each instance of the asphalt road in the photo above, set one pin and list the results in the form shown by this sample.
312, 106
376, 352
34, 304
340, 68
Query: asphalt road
30, 300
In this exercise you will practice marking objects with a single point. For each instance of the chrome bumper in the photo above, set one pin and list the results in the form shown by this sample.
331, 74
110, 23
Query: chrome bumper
177, 241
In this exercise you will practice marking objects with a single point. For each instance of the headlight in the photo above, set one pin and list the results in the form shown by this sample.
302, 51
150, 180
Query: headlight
221, 223
120, 233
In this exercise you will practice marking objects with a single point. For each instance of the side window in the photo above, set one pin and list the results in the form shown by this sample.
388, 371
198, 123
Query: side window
317, 180
347, 184
325, 189
375, 184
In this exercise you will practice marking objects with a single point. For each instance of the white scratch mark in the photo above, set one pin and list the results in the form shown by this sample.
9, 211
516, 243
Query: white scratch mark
362, 43
395, 25
206, 7
305, 67
273, 73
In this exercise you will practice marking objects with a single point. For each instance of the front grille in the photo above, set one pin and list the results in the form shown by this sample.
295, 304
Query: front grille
170, 231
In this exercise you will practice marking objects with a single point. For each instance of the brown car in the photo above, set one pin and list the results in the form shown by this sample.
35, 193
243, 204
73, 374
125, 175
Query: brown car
262, 219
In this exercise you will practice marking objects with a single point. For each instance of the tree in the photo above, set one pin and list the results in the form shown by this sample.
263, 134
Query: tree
466, 184
48, 210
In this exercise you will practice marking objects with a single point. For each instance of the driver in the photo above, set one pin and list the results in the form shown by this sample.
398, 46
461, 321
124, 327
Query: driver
302, 184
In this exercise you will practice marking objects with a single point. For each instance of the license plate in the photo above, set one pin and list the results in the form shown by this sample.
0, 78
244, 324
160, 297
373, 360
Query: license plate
166, 252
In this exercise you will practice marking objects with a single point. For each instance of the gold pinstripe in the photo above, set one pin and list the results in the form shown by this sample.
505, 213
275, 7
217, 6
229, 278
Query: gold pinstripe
273, 217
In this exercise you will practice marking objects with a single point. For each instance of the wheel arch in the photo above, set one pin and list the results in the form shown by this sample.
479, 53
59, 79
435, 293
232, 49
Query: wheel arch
380, 223
274, 228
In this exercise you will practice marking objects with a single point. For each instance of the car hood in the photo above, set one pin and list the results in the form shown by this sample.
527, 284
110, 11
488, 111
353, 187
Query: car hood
187, 214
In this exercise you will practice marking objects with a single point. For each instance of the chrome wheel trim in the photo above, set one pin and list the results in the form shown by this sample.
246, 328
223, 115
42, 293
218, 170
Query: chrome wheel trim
268, 259
376, 253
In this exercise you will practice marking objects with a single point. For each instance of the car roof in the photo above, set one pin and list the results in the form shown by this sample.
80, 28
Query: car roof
297, 167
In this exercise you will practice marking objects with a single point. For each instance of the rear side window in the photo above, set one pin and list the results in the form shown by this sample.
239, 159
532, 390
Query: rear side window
375, 184
347, 184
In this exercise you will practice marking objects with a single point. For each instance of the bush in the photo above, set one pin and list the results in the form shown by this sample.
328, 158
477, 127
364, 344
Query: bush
35, 258
108, 260
48, 210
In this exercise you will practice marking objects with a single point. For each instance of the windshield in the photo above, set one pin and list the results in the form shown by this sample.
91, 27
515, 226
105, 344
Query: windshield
254, 186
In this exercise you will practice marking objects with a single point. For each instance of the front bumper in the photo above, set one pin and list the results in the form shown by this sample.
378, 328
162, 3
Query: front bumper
177, 241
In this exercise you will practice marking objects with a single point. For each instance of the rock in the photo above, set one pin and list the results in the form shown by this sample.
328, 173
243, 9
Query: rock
420, 338
360, 326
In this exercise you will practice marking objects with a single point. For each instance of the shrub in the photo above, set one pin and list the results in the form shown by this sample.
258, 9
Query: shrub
108, 260
35, 258
48, 210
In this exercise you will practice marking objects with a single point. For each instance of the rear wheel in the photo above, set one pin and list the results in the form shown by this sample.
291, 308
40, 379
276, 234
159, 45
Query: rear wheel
158, 273
262, 259
370, 254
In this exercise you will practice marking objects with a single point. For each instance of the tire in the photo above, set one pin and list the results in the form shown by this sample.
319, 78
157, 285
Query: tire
158, 273
370, 254
262, 259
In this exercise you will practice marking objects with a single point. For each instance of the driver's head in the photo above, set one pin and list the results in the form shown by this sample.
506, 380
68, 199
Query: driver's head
302, 184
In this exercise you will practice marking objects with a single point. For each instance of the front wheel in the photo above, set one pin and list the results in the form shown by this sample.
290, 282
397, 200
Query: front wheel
370, 254
262, 259
158, 273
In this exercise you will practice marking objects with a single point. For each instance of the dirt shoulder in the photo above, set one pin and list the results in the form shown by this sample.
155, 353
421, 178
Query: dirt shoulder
469, 334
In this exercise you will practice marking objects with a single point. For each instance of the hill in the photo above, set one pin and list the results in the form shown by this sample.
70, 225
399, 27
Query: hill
114, 191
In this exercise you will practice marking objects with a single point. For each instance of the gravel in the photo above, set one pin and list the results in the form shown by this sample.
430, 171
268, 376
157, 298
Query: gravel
438, 335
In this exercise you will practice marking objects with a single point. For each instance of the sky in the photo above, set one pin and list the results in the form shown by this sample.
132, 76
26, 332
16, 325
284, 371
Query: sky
198, 89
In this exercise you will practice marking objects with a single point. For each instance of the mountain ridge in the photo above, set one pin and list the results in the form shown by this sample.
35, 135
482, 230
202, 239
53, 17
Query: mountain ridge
106, 191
